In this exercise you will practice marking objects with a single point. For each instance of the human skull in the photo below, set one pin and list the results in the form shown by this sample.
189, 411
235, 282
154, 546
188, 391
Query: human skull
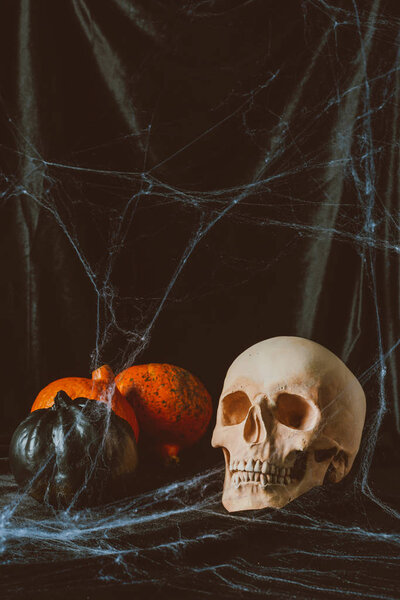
290, 418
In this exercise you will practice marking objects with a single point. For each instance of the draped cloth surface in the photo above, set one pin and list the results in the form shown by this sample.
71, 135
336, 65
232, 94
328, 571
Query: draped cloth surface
178, 181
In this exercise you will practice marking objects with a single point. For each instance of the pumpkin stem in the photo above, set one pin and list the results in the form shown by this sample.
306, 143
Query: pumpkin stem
62, 400
169, 454
104, 374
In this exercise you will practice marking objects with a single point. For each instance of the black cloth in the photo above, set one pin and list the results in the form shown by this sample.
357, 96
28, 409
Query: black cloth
182, 179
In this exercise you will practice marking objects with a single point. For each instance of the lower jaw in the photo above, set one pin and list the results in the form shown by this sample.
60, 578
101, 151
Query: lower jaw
252, 496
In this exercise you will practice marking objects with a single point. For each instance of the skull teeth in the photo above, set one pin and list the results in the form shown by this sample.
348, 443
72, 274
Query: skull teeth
258, 466
250, 465
236, 480
258, 471
241, 477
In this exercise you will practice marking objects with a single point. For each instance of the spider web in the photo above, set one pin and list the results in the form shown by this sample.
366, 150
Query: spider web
300, 226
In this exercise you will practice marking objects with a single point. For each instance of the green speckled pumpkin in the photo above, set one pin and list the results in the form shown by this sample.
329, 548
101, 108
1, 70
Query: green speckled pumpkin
172, 406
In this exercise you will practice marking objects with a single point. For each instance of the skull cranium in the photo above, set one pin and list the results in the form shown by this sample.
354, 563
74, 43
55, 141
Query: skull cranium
290, 417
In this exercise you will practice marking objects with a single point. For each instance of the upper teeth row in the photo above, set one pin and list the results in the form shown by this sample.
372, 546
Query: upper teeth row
258, 466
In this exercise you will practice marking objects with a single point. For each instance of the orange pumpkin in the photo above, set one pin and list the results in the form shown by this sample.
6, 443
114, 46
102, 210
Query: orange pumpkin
101, 387
172, 405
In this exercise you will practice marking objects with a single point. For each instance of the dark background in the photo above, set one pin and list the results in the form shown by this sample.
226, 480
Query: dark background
180, 180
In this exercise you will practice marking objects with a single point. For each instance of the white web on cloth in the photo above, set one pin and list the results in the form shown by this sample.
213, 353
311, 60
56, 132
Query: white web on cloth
374, 229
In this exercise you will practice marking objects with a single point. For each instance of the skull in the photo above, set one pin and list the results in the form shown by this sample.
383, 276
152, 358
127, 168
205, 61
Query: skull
290, 418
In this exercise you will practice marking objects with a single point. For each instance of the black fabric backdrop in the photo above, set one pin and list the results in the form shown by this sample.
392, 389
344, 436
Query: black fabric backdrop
180, 180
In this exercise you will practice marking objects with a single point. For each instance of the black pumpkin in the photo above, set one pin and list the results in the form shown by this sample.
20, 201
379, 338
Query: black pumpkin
75, 453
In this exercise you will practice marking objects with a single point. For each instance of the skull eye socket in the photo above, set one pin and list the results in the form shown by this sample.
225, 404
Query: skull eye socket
295, 412
234, 408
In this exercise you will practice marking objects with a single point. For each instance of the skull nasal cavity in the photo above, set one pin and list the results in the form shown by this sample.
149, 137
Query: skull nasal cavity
254, 430
295, 412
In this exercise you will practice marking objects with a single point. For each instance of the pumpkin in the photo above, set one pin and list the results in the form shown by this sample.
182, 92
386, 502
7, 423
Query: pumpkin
173, 406
101, 387
77, 452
